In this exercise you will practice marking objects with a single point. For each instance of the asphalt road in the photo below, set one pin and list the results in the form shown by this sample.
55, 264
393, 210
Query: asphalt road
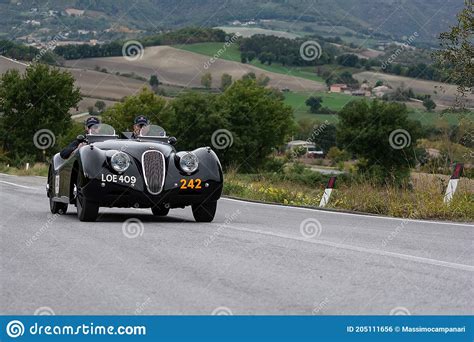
253, 259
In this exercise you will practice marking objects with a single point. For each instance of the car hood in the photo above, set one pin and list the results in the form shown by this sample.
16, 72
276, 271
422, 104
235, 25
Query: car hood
135, 148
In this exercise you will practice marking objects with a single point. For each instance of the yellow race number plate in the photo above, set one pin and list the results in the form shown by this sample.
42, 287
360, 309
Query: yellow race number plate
190, 184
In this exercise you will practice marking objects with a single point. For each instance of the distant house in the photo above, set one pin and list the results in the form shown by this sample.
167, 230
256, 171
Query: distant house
73, 12
311, 150
337, 87
33, 22
381, 90
299, 143
360, 92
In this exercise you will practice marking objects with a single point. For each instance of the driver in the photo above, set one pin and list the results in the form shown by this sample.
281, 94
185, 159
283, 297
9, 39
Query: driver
88, 127
139, 123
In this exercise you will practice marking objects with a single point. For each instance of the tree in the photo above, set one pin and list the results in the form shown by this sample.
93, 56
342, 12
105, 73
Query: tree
100, 105
324, 136
154, 82
195, 118
263, 80
38, 99
429, 104
457, 51
314, 103
226, 81
381, 136
349, 60
258, 121
206, 80
249, 76
146, 103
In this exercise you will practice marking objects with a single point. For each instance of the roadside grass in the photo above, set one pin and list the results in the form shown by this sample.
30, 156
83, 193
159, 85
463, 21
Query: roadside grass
232, 53
424, 201
38, 169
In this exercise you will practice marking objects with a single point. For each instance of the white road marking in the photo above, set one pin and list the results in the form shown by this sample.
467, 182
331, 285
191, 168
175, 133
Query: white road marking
368, 216
18, 185
315, 241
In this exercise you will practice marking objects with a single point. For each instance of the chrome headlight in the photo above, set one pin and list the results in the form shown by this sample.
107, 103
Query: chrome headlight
189, 162
120, 161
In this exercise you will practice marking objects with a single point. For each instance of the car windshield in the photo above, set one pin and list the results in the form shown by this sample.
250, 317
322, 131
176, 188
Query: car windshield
102, 129
152, 131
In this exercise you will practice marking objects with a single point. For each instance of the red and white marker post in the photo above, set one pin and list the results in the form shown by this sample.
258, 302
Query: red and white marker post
453, 182
327, 192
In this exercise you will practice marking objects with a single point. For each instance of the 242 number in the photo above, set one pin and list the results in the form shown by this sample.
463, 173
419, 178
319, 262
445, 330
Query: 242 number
194, 184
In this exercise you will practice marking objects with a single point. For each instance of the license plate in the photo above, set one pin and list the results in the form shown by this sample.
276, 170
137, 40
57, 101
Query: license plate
124, 179
190, 184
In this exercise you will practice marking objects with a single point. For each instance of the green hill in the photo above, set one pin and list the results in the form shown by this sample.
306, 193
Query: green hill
380, 18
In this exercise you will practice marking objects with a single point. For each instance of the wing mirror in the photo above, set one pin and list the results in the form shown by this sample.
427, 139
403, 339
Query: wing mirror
172, 141
81, 138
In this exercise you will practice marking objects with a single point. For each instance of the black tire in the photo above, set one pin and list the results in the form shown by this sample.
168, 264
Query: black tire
87, 210
57, 207
160, 211
204, 212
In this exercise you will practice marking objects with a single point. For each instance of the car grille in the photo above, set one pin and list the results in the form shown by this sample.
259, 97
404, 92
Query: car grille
153, 164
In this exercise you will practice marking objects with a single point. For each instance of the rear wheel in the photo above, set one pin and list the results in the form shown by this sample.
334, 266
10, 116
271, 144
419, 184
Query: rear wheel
205, 211
55, 207
160, 211
87, 210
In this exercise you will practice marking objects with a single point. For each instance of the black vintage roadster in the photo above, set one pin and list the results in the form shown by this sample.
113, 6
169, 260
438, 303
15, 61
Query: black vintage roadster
142, 172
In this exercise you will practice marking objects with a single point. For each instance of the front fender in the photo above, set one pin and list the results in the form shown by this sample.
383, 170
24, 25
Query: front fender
94, 164
92, 161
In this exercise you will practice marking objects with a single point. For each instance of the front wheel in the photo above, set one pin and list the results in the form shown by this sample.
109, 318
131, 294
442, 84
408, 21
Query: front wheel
204, 212
87, 210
